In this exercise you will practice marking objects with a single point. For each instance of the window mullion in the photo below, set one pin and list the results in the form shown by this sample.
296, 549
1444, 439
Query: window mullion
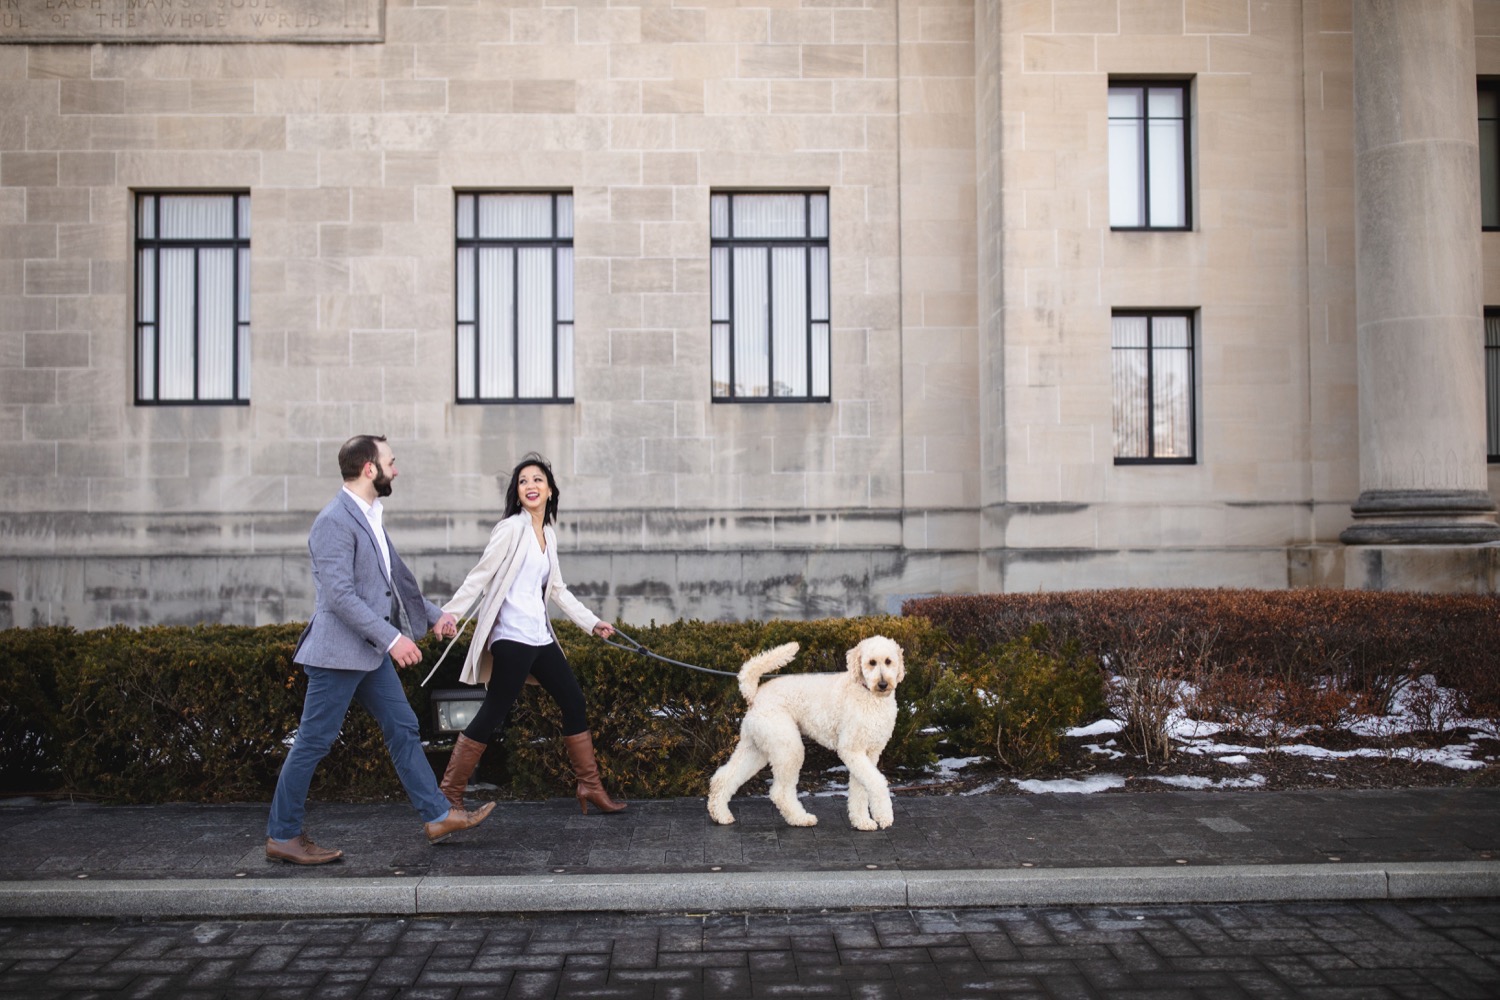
770, 326
478, 326
807, 312
1146, 218
197, 305
1150, 387
730, 318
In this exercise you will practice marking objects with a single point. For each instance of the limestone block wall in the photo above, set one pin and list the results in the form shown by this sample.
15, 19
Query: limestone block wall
1267, 261
352, 153
968, 444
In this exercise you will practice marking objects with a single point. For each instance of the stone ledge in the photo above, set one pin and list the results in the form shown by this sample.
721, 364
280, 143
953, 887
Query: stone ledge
746, 891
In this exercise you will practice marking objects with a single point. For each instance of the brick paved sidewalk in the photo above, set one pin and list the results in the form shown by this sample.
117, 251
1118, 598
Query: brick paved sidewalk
1287, 951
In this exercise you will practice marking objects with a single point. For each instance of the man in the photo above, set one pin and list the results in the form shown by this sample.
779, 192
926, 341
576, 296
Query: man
362, 628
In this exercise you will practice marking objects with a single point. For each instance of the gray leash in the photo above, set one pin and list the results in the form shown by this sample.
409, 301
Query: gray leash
635, 647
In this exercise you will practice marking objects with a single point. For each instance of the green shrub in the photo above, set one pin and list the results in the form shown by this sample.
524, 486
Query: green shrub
1013, 702
202, 714
30, 722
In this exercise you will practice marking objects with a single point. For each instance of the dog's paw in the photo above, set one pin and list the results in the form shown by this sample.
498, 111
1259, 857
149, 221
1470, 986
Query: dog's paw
806, 819
720, 815
863, 823
885, 823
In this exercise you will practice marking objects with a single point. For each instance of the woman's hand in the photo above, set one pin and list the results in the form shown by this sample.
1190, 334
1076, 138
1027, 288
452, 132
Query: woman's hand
604, 630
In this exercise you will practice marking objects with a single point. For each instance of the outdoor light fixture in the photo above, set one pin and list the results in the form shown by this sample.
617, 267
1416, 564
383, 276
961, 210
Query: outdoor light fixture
454, 708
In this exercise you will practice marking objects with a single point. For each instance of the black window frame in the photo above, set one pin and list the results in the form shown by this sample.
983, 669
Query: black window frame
1489, 156
1185, 85
1176, 312
477, 243
1491, 387
732, 243
239, 243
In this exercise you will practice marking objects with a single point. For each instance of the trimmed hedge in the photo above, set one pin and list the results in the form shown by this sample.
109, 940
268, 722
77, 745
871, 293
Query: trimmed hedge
1366, 640
205, 713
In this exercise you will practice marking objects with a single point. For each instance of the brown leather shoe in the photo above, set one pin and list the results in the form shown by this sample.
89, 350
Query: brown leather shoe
300, 850
456, 820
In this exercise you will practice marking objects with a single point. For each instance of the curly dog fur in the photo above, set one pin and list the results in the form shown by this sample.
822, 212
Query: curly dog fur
851, 713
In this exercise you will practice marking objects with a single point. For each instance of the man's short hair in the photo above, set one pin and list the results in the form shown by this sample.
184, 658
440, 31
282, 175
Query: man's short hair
358, 450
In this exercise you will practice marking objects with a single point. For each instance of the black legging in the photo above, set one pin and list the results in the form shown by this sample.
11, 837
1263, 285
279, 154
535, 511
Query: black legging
513, 661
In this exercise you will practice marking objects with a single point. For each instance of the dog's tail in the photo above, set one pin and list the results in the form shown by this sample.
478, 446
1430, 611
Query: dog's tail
764, 663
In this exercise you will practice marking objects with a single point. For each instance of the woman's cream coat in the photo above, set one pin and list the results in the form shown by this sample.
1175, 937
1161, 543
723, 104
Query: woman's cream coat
490, 580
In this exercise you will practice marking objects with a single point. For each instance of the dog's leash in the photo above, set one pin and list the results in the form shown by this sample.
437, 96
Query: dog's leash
635, 647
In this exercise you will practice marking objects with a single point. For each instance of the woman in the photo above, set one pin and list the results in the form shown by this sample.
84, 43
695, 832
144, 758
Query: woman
513, 637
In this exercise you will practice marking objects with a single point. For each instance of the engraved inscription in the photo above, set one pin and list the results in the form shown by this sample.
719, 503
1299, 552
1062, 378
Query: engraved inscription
73, 21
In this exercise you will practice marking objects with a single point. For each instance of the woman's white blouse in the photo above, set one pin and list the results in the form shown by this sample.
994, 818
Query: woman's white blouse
523, 615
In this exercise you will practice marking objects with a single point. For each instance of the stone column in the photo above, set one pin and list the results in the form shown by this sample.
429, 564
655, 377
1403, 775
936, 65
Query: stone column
1418, 289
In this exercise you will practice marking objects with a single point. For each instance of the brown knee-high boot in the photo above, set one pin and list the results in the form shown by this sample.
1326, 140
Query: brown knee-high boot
466, 754
586, 770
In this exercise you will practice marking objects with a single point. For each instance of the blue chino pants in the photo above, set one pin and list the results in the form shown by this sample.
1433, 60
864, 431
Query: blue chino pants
328, 695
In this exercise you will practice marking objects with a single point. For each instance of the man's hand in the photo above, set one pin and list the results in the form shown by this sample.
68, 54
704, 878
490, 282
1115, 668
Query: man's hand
446, 627
406, 653
604, 630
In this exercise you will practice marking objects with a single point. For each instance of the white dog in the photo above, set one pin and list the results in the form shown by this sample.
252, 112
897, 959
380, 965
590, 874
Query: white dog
851, 713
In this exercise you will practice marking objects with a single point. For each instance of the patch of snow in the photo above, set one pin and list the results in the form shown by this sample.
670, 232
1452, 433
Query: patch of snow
1196, 781
1455, 755
1207, 748
988, 786
1071, 786
1182, 728
950, 766
1100, 728
1112, 754
1234, 758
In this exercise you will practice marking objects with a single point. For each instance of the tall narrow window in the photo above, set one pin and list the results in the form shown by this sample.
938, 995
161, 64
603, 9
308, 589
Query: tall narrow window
514, 307
1153, 387
1149, 183
192, 295
770, 297
1489, 154
1492, 383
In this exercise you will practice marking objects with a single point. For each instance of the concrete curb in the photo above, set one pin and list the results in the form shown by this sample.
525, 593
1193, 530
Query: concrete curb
697, 892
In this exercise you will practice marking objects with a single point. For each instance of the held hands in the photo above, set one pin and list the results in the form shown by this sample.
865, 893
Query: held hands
405, 652
604, 630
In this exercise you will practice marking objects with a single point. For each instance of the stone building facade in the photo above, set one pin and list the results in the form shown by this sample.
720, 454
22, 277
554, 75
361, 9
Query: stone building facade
981, 315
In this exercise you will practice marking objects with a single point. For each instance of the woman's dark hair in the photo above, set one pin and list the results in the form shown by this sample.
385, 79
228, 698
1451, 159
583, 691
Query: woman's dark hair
513, 493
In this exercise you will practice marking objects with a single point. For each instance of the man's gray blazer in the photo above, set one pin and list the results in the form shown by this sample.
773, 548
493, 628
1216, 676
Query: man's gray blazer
354, 620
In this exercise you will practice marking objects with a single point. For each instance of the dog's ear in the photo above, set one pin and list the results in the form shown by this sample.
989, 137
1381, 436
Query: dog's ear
900, 662
852, 658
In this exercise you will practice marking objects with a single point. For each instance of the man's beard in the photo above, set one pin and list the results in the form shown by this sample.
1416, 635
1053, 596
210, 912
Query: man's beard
382, 483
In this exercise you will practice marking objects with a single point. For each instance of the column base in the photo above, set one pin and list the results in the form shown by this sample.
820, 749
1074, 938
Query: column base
1428, 569
1422, 517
